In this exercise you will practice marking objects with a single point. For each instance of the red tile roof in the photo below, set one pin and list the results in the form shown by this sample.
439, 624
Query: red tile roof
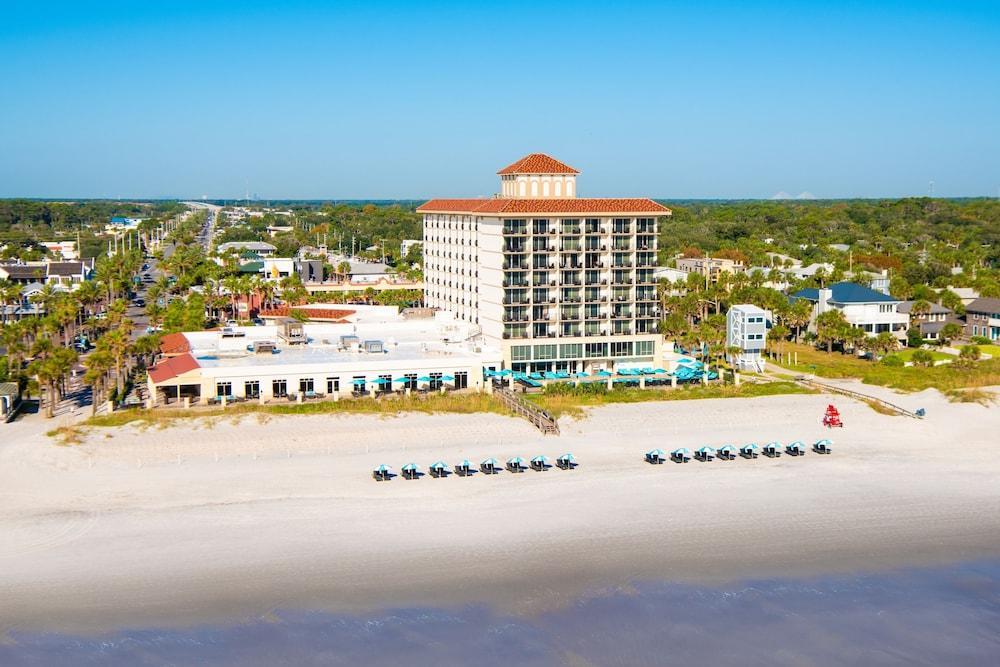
174, 343
538, 163
170, 368
337, 315
576, 206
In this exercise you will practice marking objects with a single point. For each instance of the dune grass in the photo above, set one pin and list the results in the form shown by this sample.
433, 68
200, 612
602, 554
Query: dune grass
836, 365
980, 396
434, 403
568, 401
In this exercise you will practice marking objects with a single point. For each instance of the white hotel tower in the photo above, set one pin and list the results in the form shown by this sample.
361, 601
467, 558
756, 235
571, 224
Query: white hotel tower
557, 282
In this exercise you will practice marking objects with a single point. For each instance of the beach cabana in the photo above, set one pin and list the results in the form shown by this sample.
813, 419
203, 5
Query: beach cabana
382, 473
823, 446
515, 464
438, 469
463, 468
797, 448
655, 456
726, 453
681, 455
749, 451
772, 450
410, 471
704, 453
489, 466
566, 462
540, 463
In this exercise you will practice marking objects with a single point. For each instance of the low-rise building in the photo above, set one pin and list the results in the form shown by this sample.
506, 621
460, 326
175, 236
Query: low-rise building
64, 275
406, 244
929, 324
746, 328
258, 248
65, 249
372, 349
869, 310
982, 318
711, 267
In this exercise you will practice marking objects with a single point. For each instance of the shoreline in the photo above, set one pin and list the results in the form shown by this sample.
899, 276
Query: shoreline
194, 522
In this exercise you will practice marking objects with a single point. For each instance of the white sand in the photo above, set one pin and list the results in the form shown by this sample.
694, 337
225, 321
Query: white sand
204, 520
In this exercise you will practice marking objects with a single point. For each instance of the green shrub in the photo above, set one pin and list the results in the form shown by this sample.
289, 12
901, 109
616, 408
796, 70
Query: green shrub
893, 360
922, 358
981, 340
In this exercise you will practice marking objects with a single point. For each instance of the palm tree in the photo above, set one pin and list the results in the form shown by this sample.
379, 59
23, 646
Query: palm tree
98, 366
830, 328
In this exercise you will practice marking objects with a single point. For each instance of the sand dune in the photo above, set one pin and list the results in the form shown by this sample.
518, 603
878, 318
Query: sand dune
135, 527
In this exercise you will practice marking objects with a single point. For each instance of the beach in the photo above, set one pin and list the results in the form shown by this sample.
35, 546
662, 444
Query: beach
243, 517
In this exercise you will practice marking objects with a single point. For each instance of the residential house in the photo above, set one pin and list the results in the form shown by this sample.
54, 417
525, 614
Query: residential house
746, 328
982, 318
711, 267
869, 310
929, 324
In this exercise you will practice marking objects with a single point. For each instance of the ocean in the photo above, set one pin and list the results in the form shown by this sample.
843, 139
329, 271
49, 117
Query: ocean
948, 615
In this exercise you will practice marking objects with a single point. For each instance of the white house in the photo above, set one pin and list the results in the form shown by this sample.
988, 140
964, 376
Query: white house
746, 328
869, 310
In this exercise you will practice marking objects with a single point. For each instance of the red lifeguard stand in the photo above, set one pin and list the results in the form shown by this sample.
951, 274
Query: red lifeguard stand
832, 418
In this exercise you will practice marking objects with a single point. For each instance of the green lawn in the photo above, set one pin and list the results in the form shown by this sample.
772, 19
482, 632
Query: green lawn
907, 355
948, 376
992, 350
562, 401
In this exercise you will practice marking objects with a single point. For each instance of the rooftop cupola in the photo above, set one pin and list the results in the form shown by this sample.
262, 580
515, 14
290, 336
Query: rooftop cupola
538, 176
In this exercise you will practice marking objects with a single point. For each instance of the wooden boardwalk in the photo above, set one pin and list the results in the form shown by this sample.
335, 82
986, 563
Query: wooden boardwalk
534, 414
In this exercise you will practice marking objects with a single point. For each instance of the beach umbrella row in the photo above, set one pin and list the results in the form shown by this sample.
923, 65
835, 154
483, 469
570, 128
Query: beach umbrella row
729, 452
488, 466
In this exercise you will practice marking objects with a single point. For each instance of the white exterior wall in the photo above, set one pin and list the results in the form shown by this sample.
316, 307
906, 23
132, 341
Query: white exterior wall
746, 328
865, 315
538, 186
451, 263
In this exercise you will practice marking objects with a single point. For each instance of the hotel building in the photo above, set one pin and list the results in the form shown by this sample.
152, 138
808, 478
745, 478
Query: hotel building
558, 283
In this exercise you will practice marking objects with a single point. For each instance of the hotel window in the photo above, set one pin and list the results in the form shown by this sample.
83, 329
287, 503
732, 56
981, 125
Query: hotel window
436, 382
644, 348
333, 385
597, 350
571, 351
358, 382
621, 349
279, 388
224, 389
251, 389
545, 352
306, 385
461, 380
411, 381
520, 353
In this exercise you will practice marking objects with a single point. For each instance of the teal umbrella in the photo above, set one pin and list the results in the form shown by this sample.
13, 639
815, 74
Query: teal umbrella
464, 464
491, 462
824, 442
384, 469
706, 450
603, 373
357, 382
749, 448
447, 378
567, 457
381, 381
515, 461
505, 373
410, 467
540, 459
683, 451
401, 380
438, 465
655, 452
424, 379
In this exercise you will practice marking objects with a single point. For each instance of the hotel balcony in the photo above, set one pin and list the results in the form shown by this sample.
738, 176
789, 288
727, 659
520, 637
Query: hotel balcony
595, 332
645, 326
515, 266
516, 318
570, 229
594, 246
515, 230
515, 283
516, 331
516, 301
514, 248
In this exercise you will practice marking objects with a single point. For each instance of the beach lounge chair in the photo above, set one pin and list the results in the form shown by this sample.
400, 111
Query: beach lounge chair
749, 451
704, 454
681, 455
772, 450
726, 453
823, 446
381, 474
489, 466
796, 448
655, 456
410, 471
463, 469
438, 469
515, 464
566, 462
540, 463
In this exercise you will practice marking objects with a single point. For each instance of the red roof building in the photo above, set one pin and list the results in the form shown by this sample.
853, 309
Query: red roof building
537, 163
170, 368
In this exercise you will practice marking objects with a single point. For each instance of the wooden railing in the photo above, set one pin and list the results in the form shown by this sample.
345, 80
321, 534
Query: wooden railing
861, 397
534, 414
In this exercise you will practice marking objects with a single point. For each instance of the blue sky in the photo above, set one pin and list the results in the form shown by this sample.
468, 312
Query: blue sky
393, 100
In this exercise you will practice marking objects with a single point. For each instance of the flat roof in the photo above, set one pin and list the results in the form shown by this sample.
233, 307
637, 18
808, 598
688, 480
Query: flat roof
408, 345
